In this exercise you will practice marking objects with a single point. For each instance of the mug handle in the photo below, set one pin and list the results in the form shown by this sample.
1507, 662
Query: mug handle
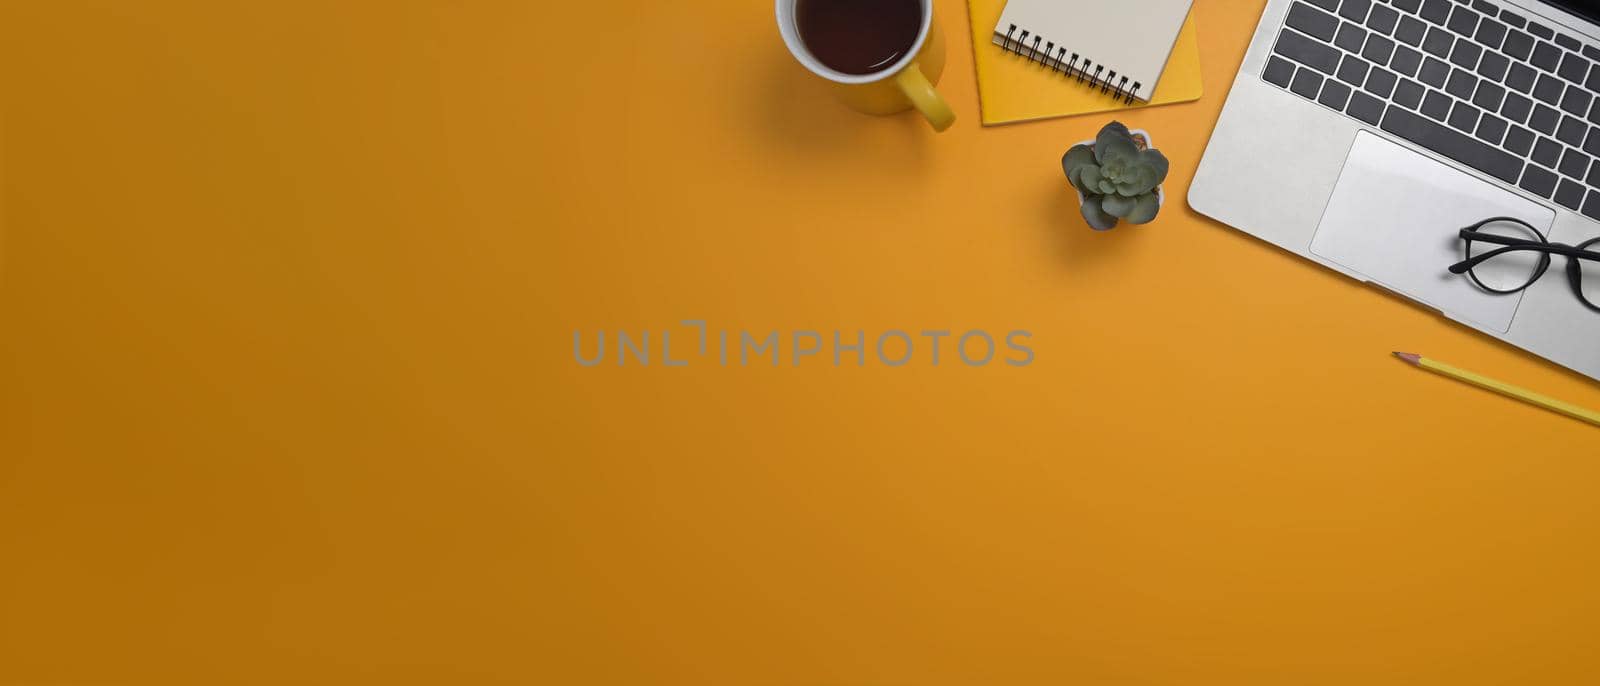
920, 92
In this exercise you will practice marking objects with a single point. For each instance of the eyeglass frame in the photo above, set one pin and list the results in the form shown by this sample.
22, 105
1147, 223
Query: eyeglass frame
1573, 253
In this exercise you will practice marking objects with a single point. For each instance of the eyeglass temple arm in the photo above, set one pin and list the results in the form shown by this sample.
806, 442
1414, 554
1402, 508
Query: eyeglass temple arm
1464, 265
1515, 245
1473, 235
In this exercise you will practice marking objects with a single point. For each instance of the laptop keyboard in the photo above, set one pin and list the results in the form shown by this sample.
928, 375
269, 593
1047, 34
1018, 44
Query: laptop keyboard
1481, 85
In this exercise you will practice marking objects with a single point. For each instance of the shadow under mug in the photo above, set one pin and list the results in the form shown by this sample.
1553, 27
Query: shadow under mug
899, 87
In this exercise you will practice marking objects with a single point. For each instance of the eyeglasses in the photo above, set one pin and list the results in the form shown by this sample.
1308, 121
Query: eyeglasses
1522, 256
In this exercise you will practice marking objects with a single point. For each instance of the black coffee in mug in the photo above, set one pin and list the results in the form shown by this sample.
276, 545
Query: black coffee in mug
858, 36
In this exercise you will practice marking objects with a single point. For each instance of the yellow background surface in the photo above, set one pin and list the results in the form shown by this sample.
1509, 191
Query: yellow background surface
288, 394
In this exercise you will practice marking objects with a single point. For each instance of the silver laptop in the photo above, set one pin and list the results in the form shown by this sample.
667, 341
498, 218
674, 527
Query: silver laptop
1366, 134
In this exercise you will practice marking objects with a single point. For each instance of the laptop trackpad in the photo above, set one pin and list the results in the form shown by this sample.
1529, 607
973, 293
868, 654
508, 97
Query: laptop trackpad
1394, 217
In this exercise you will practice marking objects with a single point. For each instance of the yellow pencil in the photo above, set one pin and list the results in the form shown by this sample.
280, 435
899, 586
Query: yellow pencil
1505, 389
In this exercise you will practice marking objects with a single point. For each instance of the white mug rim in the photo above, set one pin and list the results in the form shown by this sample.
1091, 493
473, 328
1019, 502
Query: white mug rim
791, 38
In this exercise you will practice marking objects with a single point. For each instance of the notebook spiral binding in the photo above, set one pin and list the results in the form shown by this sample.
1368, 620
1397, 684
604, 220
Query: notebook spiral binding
1071, 65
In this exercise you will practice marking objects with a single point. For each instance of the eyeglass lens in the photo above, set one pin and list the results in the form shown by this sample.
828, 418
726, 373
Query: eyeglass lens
1509, 271
1589, 271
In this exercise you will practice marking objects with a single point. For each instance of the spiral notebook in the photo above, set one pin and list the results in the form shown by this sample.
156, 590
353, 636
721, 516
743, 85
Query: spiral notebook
1064, 67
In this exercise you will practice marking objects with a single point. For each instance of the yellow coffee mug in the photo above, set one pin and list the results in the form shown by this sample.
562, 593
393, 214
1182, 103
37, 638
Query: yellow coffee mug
905, 84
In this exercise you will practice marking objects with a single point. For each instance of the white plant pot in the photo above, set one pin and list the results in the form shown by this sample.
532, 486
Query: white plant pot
1161, 197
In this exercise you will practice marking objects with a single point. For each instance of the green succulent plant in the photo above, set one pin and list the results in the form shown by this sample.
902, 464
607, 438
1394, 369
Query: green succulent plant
1118, 179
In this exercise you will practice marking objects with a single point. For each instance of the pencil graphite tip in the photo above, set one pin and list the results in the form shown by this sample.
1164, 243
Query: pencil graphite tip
1410, 358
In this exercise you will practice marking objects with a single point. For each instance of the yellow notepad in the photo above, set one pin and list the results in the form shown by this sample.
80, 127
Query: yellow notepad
1012, 89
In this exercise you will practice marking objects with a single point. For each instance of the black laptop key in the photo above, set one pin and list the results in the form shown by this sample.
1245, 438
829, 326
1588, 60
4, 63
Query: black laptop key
1593, 82
1353, 70
1407, 5
1354, 10
1461, 83
1436, 11
1434, 72
1329, 5
1594, 175
1323, 58
1350, 37
1465, 54
1591, 205
1518, 44
1549, 89
1306, 83
1279, 71
1540, 30
1405, 60
1491, 129
1334, 94
1546, 56
1591, 52
1380, 82
1576, 101
1594, 113
1568, 42
1438, 42
1493, 66
1546, 152
1485, 7
1538, 181
1572, 131
1365, 107
1464, 117
1544, 120
1408, 94
1574, 163
1410, 30
1573, 67
1436, 105
1491, 33
1516, 108
1378, 49
1520, 77
1569, 194
1382, 19
1453, 144
1312, 21
1463, 21
1591, 144
1489, 96
1519, 141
